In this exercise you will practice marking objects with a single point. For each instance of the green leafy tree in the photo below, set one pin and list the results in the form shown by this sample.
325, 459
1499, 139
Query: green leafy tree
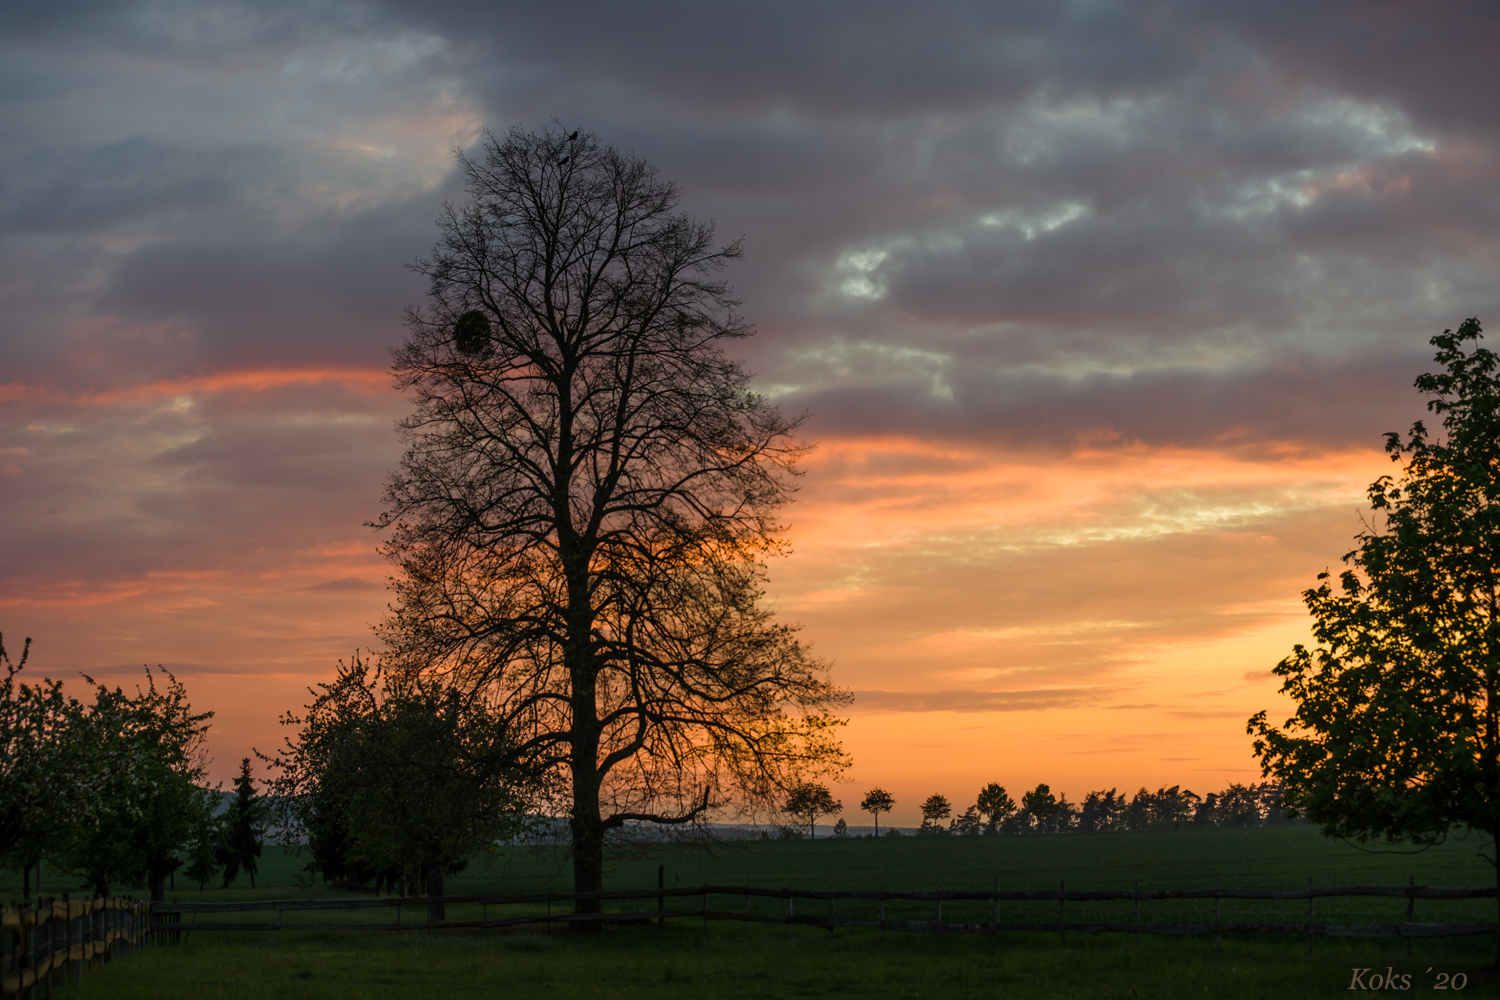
1396, 733
46, 788
810, 800
241, 842
397, 777
877, 801
996, 805
935, 809
148, 763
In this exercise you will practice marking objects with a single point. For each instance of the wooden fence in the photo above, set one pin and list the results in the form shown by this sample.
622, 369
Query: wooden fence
53, 942
432, 911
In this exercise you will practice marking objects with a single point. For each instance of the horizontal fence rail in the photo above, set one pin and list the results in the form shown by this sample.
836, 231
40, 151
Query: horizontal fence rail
53, 942
168, 916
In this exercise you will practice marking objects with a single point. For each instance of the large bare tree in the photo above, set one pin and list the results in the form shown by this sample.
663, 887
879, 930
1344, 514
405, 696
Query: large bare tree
582, 520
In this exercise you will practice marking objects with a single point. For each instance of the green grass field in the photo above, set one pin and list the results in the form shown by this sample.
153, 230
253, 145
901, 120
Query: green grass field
733, 960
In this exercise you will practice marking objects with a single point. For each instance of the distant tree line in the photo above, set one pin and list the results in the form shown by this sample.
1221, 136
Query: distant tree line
111, 791
1040, 811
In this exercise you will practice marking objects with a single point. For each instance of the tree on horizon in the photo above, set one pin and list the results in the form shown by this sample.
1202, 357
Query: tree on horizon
809, 801
935, 808
877, 801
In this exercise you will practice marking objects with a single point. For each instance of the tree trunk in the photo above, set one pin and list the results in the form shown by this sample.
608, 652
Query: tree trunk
587, 823
588, 857
26, 881
157, 880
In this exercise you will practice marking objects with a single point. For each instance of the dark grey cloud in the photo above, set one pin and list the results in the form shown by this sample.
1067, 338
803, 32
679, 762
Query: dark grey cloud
1435, 60
1317, 404
1013, 185
829, 58
1175, 224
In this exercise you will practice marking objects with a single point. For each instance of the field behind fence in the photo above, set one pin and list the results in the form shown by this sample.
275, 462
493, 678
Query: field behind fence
1136, 911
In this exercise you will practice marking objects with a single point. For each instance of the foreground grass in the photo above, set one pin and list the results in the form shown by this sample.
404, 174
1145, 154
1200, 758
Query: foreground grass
730, 962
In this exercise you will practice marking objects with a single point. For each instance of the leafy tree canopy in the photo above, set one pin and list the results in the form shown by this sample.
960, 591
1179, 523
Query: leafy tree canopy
1396, 733
396, 777
810, 800
995, 804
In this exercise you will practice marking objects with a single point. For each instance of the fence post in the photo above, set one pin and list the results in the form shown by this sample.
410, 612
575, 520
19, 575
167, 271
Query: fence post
1309, 917
661, 900
833, 909
70, 926
1411, 911
790, 910
1062, 915
940, 909
1136, 892
882, 912
997, 909
1218, 884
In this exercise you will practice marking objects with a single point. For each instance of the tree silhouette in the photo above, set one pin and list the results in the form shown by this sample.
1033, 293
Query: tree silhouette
1102, 811
810, 800
996, 805
967, 825
591, 490
1397, 729
934, 809
241, 844
1040, 805
877, 801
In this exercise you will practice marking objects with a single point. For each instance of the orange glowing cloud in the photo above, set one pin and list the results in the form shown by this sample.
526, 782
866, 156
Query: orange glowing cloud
1079, 618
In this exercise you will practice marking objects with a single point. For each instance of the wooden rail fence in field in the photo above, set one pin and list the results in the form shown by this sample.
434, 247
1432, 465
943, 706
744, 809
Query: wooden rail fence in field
432, 911
53, 942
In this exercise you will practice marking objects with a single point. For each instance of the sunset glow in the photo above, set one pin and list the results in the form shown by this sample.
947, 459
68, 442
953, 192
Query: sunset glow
1096, 344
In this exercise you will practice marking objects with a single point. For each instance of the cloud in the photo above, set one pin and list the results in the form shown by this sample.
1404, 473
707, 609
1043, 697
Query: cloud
974, 701
1098, 310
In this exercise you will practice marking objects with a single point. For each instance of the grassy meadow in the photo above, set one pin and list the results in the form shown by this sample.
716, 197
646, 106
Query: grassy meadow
734, 960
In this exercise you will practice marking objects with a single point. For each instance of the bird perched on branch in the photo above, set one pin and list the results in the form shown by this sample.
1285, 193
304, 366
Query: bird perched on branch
564, 161
573, 136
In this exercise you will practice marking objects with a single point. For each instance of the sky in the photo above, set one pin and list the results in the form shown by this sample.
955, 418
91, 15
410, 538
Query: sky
1097, 311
